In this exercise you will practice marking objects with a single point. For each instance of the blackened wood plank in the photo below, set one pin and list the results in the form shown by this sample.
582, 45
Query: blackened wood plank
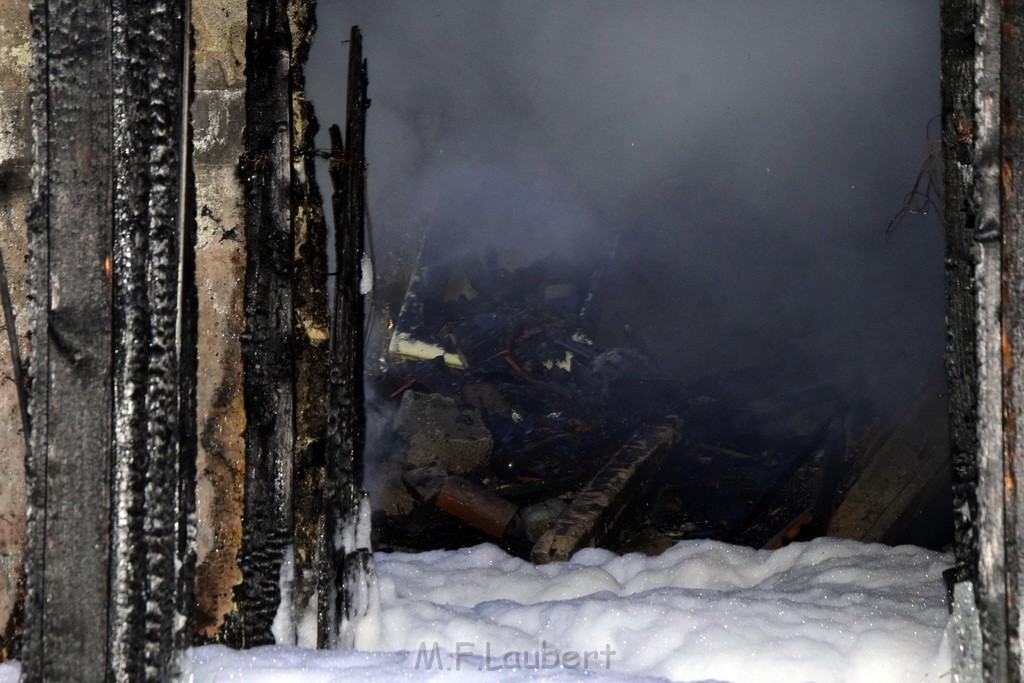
106, 476
346, 565
958, 26
312, 332
31, 653
153, 476
1011, 176
267, 352
600, 505
71, 238
958, 20
987, 260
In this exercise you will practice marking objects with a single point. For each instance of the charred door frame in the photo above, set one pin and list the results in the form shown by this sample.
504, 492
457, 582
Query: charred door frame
982, 101
112, 390
111, 464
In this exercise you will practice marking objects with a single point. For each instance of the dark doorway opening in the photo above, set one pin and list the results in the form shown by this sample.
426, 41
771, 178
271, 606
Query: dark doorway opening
726, 180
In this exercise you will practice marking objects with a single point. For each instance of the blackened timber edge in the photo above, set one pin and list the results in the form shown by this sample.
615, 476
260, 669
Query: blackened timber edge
31, 649
70, 237
1011, 170
131, 319
165, 458
347, 564
312, 329
600, 505
957, 89
267, 353
188, 358
990, 586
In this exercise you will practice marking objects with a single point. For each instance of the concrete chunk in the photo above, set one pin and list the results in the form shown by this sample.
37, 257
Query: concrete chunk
440, 433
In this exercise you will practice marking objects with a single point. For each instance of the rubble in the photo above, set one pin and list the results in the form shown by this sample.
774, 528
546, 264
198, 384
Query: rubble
514, 425
439, 433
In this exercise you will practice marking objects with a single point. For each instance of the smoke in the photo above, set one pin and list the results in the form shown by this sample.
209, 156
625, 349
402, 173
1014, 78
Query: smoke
748, 155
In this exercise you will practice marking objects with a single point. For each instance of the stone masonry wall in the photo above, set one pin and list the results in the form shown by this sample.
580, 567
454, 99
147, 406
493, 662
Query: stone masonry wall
15, 160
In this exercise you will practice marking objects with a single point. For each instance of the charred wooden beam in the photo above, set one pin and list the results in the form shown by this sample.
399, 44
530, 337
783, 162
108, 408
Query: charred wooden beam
986, 260
1011, 296
599, 506
899, 474
69, 233
153, 465
983, 80
108, 469
347, 562
312, 326
959, 25
267, 347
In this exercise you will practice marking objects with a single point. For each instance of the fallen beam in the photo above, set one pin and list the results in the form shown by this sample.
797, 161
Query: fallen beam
594, 512
900, 476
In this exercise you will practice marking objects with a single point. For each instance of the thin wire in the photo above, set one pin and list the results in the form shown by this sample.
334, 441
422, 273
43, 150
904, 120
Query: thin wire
920, 199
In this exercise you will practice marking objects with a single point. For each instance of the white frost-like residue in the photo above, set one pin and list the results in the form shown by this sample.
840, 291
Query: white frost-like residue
823, 611
366, 275
283, 626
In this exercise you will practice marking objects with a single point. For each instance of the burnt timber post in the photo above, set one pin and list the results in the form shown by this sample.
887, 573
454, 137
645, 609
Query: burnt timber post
312, 336
109, 541
115, 322
982, 102
348, 562
267, 358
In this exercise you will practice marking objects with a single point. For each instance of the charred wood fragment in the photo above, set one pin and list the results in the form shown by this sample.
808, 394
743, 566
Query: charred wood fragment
754, 530
267, 347
347, 559
597, 509
959, 19
1011, 219
311, 327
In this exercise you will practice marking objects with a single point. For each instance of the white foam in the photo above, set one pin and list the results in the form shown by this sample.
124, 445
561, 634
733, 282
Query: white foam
827, 610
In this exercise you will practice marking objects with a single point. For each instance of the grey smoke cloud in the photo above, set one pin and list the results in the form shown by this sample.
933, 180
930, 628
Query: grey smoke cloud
750, 154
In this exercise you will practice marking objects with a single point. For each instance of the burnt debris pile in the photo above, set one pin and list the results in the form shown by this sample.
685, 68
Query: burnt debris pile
501, 418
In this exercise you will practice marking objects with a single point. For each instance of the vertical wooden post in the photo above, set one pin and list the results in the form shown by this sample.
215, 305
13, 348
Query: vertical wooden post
1011, 219
70, 243
267, 346
957, 92
349, 561
108, 471
312, 334
983, 99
